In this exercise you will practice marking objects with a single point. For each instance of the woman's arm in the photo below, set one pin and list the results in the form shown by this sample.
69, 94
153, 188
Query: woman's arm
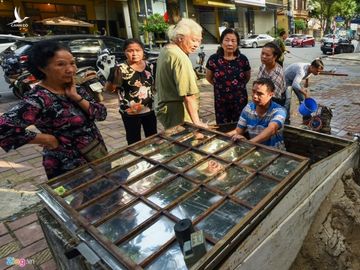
247, 76
192, 108
209, 76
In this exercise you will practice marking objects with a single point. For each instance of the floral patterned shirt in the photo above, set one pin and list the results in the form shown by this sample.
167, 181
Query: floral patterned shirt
56, 115
136, 90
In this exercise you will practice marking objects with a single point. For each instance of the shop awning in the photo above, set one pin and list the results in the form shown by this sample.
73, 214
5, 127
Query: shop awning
259, 3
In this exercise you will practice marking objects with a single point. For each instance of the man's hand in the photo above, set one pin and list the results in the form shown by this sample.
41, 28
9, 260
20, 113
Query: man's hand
305, 92
236, 137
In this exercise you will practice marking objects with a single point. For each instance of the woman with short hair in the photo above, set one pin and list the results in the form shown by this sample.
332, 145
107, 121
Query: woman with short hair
229, 71
64, 114
176, 99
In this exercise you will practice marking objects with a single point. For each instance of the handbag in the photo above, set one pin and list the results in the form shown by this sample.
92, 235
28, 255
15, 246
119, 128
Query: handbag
94, 150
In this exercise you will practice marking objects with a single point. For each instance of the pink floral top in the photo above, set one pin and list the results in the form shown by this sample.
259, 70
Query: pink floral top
137, 89
56, 115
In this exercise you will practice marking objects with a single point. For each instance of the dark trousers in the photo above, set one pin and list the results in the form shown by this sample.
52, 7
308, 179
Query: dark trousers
133, 124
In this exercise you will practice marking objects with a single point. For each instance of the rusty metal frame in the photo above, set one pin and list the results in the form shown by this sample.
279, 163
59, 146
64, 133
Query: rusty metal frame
235, 235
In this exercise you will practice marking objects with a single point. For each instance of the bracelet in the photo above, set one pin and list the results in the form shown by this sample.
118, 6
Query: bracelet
81, 99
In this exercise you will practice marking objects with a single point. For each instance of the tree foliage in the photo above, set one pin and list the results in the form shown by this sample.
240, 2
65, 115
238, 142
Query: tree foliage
299, 25
326, 10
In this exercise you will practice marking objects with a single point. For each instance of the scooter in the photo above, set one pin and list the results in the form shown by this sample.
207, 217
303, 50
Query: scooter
105, 62
200, 69
85, 76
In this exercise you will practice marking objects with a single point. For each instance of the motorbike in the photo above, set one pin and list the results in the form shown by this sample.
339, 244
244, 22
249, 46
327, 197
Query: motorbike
104, 63
85, 76
200, 69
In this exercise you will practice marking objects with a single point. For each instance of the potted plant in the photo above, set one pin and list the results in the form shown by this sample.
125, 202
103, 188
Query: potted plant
155, 24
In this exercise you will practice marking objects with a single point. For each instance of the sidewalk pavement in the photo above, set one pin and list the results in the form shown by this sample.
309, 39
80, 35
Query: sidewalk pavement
21, 171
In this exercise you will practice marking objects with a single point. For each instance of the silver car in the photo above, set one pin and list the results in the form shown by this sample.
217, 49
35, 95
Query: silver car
256, 40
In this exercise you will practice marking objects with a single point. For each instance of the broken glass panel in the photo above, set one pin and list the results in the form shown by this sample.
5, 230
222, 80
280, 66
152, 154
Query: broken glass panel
195, 138
124, 174
171, 191
222, 219
125, 221
206, 169
214, 145
148, 241
235, 152
90, 192
257, 159
281, 167
229, 179
117, 161
106, 205
152, 145
151, 180
168, 152
83, 177
258, 189
185, 160
170, 259
195, 205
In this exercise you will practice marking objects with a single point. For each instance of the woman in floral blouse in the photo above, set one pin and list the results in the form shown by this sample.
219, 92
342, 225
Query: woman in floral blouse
229, 71
134, 80
63, 113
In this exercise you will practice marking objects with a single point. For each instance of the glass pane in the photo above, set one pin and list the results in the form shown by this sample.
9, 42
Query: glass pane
214, 145
126, 221
106, 205
90, 192
234, 152
206, 169
195, 138
195, 205
81, 178
168, 152
178, 132
168, 193
257, 158
151, 146
185, 160
124, 174
281, 167
170, 259
222, 219
149, 241
257, 190
151, 180
232, 177
117, 161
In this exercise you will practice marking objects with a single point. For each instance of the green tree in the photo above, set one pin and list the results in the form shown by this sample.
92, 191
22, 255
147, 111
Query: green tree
324, 11
346, 9
299, 25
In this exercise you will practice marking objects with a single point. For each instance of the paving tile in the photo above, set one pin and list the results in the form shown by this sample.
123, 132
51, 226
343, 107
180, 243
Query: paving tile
29, 234
25, 252
3, 229
26, 267
22, 222
49, 265
9, 248
5, 239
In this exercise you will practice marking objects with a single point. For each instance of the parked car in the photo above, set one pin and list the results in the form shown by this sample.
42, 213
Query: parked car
339, 44
7, 40
327, 36
291, 38
303, 40
256, 40
85, 49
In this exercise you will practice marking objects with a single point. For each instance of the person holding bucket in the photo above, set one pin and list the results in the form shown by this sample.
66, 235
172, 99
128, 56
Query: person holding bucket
295, 74
262, 118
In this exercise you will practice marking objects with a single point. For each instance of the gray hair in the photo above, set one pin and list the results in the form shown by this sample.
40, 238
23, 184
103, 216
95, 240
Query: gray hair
185, 27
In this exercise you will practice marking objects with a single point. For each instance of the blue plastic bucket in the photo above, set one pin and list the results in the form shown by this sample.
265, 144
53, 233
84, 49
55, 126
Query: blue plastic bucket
308, 106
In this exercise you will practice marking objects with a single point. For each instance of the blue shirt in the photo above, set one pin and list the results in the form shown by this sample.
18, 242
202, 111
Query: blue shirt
295, 73
250, 120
